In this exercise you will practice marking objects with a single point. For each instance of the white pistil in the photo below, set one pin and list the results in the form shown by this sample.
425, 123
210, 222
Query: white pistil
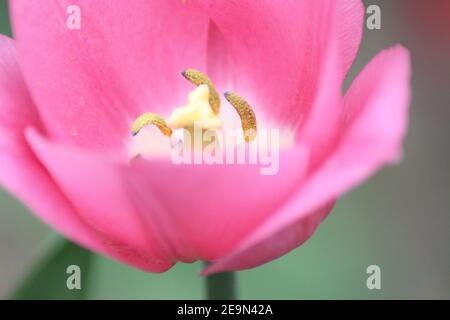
197, 111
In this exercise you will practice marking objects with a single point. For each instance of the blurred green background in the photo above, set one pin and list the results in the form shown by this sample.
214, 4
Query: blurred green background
398, 220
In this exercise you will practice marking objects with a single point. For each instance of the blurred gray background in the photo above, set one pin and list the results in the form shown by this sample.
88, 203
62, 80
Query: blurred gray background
399, 219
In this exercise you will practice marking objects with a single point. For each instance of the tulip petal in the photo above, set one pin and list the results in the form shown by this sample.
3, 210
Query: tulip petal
373, 128
21, 173
320, 131
126, 58
101, 202
277, 49
275, 245
350, 20
321, 125
205, 210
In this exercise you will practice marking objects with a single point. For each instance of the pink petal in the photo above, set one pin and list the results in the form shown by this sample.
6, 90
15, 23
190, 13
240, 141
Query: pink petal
160, 212
209, 209
350, 20
21, 173
94, 185
320, 130
376, 107
275, 245
321, 124
89, 84
276, 49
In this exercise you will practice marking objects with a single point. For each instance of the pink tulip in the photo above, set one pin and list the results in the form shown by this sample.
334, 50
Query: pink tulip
68, 98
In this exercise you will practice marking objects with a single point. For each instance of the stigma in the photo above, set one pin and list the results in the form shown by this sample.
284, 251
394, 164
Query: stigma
197, 111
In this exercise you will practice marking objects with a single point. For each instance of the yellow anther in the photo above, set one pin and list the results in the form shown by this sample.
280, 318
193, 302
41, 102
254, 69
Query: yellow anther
245, 111
150, 118
198, 78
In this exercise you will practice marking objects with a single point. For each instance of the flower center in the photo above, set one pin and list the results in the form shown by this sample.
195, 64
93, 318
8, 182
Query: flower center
201, 111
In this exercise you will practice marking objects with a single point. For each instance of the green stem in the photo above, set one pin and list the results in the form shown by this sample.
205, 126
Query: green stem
221, 286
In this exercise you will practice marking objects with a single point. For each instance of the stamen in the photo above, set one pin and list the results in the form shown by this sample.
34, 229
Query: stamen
198, 78
150, 118
245, 111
